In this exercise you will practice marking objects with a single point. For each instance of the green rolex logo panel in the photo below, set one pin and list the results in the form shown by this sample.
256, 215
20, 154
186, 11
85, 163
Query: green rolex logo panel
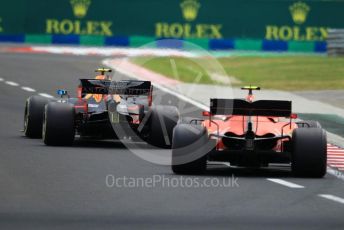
289, 20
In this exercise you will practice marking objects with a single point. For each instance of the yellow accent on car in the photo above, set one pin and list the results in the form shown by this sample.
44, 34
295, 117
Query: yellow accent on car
102, 71
251, 87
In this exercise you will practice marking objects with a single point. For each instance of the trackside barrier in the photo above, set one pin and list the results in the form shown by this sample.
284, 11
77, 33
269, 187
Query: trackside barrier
136, 41
335, 41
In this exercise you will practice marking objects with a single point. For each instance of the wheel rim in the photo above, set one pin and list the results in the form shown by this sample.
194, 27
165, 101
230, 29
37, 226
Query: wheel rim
44, 127
26, 119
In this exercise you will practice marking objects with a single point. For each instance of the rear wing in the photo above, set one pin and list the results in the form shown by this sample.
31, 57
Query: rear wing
124, 87
273, 108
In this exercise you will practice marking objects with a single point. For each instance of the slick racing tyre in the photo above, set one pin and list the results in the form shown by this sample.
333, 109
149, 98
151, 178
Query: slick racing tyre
163, 119
187, 139
309, 124
33, 116
189, 120
309, 155
58, 124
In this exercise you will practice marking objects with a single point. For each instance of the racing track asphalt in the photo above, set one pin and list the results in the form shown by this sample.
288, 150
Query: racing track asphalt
64, 187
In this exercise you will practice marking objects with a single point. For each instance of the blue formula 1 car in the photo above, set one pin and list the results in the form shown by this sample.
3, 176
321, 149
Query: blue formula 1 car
103, 109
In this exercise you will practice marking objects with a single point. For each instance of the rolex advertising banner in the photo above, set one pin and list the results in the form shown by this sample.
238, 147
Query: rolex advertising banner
285, 20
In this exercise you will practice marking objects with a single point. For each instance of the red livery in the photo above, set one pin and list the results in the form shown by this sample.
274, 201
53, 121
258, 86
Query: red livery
249, 133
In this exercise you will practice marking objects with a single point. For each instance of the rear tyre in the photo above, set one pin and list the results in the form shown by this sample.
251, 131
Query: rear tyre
186, 140
58, 124
189, 120
163, 119
309, 124
33, 116
309, 156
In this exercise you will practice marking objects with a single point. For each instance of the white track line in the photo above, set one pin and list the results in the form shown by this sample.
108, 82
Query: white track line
46, 95
11, 83
28, 89
335, 173
25, 88
285, 183
332, 197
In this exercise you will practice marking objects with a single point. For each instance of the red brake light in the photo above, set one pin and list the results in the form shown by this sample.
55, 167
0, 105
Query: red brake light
79, 92
150, 97
250, 98
81, 105
206, 114
293, 116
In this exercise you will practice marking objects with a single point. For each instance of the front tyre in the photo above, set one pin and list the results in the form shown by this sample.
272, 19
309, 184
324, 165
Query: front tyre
58, 124
309, 156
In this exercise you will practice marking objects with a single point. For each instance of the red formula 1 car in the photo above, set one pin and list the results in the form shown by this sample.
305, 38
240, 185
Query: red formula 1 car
248, 133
